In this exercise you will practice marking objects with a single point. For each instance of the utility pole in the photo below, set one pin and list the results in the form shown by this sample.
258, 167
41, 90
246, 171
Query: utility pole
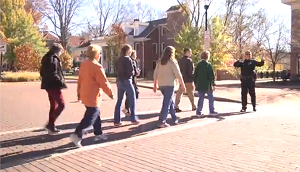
207, 34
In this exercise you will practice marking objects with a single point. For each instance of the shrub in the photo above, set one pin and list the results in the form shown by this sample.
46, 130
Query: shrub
27, 58
66, 60
20, 76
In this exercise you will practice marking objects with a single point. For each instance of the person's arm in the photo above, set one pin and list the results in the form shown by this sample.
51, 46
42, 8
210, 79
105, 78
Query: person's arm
78, 86
102, 81
155, 77
237, 64
53, 69
129, 69
177, 73
190, 68
211, 75
259, 64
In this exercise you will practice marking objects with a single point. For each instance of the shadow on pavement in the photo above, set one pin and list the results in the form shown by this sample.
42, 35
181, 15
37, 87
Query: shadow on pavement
114, 133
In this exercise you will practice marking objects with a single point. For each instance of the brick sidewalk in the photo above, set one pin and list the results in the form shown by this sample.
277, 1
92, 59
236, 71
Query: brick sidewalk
254, 142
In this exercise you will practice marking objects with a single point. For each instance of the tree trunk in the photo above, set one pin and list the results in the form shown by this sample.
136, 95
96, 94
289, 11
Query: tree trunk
274, 67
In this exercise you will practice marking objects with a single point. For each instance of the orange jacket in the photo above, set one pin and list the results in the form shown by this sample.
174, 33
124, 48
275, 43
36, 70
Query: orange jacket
92, 80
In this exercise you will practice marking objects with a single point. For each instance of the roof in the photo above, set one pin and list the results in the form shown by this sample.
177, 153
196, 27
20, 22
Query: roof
84, 44
152, 25
174, 8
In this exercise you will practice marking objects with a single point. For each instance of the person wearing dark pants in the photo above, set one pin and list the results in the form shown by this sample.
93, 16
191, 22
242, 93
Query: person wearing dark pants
91, 83
53, 82
134, 82
248, 78
125, 72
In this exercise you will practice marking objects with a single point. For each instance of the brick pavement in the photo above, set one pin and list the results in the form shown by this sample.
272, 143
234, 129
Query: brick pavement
254, 142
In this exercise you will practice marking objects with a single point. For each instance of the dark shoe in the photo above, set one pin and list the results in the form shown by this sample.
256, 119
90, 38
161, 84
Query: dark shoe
178, 110
52, 130
194, 109
243, 110
254, 109
118, 124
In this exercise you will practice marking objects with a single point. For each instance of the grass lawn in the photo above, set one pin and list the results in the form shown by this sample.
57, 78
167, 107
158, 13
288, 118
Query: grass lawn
20, 76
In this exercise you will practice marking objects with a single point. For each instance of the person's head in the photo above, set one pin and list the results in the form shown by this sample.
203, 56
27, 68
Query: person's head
133, 55
187, 52
56, 48
248, 54
205, 55
126, 50
169, 54
93, 52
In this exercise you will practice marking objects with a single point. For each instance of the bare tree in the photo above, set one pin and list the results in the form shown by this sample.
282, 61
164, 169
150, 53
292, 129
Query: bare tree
33, 7
276, 42
62, 14
107, 13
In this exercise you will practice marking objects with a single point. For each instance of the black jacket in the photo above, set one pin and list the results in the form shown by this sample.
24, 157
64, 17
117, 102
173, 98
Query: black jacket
51, 73
187, 69
125, 68
248, 66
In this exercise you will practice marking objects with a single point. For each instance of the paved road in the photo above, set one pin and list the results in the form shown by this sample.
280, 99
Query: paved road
263, 139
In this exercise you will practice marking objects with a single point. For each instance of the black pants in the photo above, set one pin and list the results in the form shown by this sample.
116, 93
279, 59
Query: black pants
248, 85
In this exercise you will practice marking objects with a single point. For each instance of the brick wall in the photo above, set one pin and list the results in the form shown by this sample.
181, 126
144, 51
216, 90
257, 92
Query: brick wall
295, 41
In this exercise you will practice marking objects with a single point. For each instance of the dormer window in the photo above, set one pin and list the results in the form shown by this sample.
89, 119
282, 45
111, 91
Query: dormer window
162, 31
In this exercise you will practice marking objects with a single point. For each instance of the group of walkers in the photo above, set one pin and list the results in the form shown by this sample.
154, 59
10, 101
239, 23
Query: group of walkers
92, 82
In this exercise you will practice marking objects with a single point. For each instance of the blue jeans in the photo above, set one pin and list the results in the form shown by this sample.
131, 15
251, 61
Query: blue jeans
91, 117
168, 105
201, 100
128, 88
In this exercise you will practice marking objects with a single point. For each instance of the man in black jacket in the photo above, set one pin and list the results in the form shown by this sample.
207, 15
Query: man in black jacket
53, 81
187, 70
248, 77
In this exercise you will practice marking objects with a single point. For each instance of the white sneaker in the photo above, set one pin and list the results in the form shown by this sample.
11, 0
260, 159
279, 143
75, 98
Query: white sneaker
163, 125
101, 137
76, 140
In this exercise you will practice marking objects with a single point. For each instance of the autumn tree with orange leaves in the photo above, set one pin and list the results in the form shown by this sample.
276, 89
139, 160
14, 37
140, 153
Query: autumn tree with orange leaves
115, 42
27, 58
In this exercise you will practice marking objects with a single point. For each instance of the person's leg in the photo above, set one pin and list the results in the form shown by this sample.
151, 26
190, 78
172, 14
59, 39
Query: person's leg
244, 92
165, 106
98, 128
190, 92
169, 92
90, 116
129, 89
211, 101
201, 95
117, 114
50, 126
127, 107
179, 93
59, 99
252, 94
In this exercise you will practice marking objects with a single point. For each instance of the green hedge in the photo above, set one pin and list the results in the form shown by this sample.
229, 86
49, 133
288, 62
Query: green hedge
20, 76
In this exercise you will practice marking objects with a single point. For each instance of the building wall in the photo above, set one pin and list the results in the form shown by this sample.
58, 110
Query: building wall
295, 37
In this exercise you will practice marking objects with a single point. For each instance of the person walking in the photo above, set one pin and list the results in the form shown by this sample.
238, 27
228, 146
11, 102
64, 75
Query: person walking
165, 75
125, 73
204, 79
53, 82
187, 70
248, 78
91, 83
136, 70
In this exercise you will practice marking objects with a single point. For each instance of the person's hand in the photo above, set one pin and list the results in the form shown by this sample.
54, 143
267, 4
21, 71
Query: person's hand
213, 88
262, 59
241, 60
78, 97
183, 88
138, 73
154, 88
112, 96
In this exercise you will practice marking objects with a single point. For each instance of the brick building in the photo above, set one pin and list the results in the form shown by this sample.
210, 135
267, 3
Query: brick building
148, 38
295, 37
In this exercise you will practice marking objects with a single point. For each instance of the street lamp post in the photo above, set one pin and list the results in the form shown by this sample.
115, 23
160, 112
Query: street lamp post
207, 34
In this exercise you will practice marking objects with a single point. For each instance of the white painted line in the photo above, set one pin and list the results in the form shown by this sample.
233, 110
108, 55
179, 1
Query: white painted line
39, 128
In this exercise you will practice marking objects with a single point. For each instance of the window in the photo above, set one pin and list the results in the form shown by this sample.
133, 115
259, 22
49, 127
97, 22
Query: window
154, 48
162, 31
137, 47
162, 46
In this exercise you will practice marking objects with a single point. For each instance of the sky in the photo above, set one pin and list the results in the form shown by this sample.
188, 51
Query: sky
272, 7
